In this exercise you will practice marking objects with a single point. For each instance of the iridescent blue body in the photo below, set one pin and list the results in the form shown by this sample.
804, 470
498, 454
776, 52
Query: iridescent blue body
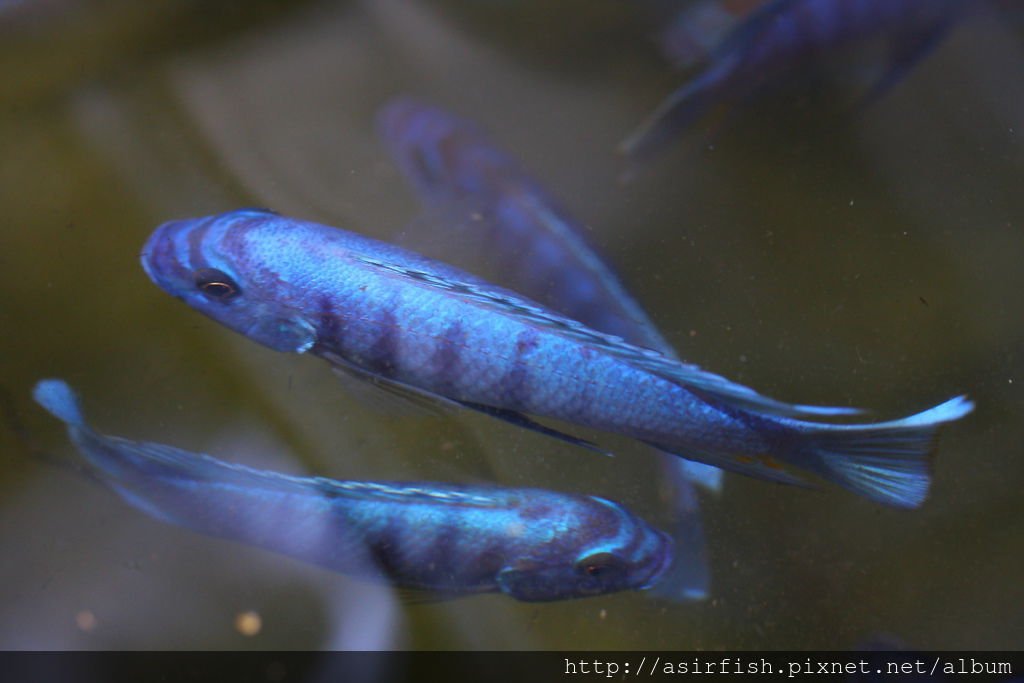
782, 35
544, 252
450, 539
401, 319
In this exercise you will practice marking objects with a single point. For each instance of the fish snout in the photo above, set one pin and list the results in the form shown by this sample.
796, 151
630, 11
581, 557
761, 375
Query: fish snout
161, 256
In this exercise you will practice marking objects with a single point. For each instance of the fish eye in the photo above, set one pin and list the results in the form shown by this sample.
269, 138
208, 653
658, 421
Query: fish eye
216, 284
599, 565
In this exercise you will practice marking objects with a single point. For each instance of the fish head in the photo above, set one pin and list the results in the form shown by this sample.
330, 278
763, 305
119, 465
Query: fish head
607, 551
212, 265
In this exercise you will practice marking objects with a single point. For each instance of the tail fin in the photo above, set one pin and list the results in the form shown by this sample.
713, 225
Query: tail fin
888, 462
60, 400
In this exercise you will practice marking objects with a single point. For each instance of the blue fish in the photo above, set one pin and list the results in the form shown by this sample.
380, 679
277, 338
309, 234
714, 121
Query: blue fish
544, 251
424, 328
782, 35
448, 539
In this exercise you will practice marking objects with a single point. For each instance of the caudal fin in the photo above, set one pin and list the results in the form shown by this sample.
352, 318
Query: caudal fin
888, 462
59, 399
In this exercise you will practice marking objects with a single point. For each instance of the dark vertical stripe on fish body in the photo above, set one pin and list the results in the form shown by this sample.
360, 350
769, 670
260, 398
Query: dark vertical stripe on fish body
445, 546
330, 324
514, 385
383, 354
196, 238
385, 547
446, 357
232, 241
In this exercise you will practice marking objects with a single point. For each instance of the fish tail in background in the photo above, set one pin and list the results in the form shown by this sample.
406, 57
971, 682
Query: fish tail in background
689, 577
888, 462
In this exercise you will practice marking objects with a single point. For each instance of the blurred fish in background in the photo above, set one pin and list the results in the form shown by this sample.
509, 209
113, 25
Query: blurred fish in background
544, 254
692, 33
784, 37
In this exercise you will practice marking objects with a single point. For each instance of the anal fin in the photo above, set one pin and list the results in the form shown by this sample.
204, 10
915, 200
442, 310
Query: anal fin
393, 394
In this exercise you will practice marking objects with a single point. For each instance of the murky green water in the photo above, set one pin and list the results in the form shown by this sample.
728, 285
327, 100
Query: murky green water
818, 258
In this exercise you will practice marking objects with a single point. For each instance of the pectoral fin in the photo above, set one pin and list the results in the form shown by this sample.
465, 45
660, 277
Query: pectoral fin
520, 420
428, 402
393, 394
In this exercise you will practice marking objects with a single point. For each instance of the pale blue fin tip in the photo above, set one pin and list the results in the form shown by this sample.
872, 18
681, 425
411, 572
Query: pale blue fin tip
58, 398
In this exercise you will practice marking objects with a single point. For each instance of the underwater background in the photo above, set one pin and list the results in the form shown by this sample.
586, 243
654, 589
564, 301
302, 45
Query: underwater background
817, 256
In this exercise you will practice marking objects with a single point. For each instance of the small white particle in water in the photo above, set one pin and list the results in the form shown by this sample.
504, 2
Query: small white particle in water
851, 202
603, 614
1010, 381
86, 621
248, 623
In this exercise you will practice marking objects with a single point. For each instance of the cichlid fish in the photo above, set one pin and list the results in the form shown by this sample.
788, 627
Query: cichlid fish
545, 253
449, 539
782, 35
421, 327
